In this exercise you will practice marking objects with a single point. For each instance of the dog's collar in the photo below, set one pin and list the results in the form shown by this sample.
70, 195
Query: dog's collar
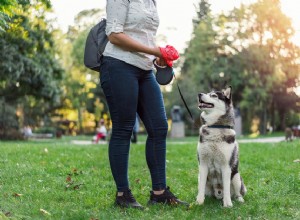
220, 126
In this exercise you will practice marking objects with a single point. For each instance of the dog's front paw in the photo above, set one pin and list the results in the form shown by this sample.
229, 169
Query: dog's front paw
227, 203
200, 200
240, 199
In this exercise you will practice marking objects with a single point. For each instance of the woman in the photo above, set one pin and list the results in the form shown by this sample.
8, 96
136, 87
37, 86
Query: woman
130, 87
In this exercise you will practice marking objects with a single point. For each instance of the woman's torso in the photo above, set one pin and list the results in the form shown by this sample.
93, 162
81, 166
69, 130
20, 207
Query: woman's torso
140, 24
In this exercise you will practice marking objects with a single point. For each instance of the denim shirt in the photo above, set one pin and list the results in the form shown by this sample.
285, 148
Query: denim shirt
139, 20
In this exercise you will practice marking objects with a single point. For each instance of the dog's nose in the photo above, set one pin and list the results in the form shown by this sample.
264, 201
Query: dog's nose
219, 192
199, 95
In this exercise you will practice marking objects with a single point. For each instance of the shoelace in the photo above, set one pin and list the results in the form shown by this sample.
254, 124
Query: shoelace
172, 199
128, 195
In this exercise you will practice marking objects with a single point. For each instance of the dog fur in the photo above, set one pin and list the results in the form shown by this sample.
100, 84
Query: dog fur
218, 151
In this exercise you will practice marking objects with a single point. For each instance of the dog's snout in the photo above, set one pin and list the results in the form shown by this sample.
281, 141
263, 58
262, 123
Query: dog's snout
219, 192
199, 95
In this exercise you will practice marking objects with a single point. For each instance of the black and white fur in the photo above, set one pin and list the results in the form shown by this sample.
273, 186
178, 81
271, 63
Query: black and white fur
218, 150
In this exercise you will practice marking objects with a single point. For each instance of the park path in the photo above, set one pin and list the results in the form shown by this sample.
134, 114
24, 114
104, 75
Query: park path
82, 142
263, 140
254, 140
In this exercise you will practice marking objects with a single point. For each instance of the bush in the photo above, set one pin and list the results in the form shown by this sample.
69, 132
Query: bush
11, 134
45, 130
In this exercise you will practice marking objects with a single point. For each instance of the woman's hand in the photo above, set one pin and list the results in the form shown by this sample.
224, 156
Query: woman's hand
160, 61
169, 54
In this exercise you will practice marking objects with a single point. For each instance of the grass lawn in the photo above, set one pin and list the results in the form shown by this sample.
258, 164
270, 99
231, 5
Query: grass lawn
55, 179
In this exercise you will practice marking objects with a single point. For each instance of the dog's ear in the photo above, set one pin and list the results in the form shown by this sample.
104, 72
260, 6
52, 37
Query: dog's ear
227, 92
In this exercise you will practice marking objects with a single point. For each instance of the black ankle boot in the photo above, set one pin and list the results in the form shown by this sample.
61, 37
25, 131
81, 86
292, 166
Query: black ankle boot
167, 197
127, 201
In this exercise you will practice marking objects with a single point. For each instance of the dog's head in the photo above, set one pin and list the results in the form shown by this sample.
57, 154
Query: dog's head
216, 106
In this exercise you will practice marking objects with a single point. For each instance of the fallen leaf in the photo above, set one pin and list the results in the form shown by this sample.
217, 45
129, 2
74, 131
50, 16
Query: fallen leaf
69, 184
7, 214
46, 150
68, 179
76, 187
75, 171
138, 180
43, 211
17, 195
296, 161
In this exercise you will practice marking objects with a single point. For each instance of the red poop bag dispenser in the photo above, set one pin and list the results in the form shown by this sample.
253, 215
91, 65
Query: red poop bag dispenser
169, 53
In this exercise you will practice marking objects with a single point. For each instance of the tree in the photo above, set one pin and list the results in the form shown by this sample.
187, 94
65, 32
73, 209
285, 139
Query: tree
203, 11
28, 66
81, 85
204, 60
250, 49
263, 39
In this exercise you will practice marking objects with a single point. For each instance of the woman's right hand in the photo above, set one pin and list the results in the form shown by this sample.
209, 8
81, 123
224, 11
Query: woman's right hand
169, 54
160, 61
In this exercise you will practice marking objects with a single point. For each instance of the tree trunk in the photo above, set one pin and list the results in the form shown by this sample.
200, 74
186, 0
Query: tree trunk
80, 120
3, 124
282, 114
272, 123
265, 120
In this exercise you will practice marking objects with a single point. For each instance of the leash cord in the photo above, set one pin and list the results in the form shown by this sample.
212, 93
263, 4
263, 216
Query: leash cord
187, 108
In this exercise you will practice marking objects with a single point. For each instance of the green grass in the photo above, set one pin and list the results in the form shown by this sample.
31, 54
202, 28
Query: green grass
38, 171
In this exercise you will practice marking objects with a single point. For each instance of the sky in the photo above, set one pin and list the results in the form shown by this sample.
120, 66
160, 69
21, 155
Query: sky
175, 15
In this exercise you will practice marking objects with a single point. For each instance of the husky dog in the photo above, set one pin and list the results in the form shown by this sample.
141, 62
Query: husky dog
218, 150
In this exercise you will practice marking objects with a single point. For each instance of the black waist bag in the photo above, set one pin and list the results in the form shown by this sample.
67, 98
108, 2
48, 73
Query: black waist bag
95, 45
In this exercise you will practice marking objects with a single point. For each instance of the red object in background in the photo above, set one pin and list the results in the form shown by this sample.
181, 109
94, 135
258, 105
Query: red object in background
169, 53
100, 136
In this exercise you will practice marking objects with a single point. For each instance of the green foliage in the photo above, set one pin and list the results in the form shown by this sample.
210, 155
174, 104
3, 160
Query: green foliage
81, 85
45, 130
28, 65
250, 49
198, 63
78, 50
7, 117
29, 69
203, 11
269, 59
10, 7
5, 12
74, 182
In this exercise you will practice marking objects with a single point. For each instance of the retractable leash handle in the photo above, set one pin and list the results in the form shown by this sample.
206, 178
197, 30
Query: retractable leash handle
164, 75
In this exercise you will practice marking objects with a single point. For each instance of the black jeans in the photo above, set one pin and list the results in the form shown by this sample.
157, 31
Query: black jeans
129, 89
